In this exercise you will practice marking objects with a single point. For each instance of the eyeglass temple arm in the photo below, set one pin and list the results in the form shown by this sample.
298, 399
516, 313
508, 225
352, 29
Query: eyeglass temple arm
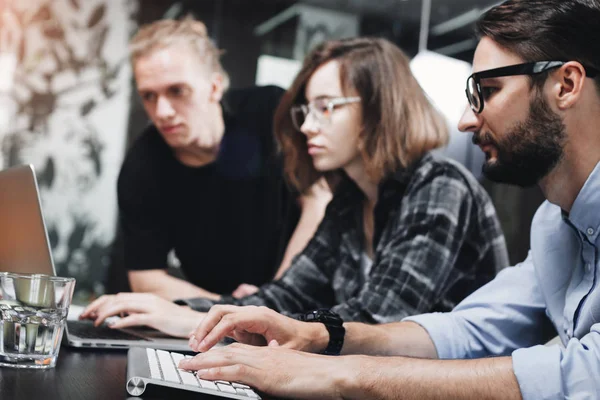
521, 69
345, 100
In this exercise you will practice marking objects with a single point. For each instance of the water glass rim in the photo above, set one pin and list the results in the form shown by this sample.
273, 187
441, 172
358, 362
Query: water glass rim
51, 278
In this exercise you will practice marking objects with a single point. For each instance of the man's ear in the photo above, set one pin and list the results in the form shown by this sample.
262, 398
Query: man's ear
216, 87
570, 81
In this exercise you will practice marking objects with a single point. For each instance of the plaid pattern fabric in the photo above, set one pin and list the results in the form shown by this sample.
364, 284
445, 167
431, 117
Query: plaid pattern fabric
437, 239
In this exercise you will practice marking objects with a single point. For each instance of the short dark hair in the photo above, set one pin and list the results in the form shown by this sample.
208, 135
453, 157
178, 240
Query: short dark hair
546, 30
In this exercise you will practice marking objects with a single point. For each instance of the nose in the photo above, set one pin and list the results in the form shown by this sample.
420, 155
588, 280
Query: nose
164, 109
310, 127
469, 122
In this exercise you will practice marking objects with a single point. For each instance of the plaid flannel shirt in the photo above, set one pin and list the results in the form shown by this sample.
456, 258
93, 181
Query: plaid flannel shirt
437, 239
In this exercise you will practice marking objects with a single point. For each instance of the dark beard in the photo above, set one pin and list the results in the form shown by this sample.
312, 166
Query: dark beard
530, 150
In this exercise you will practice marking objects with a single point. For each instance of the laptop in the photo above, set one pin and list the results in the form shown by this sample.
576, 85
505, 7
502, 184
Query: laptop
25, 248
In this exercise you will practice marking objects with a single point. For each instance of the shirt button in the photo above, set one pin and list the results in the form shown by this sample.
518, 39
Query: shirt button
588, 266
590, 231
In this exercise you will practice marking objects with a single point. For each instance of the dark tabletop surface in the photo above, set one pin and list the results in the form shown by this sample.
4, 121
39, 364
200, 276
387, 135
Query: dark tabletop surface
79, 374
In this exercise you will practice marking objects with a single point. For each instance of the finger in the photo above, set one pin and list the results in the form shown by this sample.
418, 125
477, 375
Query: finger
233, 354
233, 373
132, 320
119, 306
244, 290
252, 339
94, 305
238, 293
223, 328
211, 319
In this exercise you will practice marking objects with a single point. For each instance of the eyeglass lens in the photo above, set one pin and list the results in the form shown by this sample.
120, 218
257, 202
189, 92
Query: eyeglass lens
473, 95
299, 115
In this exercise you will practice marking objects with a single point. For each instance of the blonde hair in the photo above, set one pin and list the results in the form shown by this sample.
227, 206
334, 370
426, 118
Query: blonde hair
399, 123
164, 33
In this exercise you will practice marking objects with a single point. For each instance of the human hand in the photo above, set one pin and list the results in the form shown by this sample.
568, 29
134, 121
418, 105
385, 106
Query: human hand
275, 371
143, 309
257, 326
244, 290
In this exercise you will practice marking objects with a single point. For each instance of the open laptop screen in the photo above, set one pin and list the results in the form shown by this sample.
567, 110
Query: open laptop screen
24, 246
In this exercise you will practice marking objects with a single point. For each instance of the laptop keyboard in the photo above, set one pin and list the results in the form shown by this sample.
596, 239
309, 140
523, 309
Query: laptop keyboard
163, 367
87, 330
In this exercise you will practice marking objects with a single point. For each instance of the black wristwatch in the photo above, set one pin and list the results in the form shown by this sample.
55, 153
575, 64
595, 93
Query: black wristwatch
334, 325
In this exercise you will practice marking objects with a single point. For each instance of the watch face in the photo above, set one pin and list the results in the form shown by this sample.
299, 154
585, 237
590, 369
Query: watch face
327, 317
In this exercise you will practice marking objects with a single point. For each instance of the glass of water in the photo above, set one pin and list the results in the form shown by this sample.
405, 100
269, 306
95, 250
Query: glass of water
33, 311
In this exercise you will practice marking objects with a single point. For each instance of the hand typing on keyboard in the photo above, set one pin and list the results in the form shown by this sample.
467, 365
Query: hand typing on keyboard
143, 309
163, 369
274, 370
257, 326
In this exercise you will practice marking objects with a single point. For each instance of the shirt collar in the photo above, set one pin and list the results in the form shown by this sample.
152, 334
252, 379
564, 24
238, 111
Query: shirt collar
584, 214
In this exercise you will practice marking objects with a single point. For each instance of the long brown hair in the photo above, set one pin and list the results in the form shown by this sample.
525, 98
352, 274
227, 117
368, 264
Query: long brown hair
399, 123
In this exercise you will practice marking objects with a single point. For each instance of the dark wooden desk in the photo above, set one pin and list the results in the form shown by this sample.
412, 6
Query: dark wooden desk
79, 374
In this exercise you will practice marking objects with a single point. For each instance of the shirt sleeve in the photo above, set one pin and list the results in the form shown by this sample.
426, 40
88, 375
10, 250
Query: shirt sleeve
305, 286
506, 314
554, 373
506, 317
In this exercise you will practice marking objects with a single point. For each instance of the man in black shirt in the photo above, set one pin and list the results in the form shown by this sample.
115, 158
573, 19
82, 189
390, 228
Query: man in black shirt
204, 180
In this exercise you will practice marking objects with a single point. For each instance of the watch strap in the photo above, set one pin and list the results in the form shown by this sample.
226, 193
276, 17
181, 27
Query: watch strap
334, 325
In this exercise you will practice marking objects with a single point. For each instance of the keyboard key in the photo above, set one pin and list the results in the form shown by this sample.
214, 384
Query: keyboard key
226, 388
188, 378
208, 384
177, 357
153, 364
251, 393
168, 368
239, 385
241, 392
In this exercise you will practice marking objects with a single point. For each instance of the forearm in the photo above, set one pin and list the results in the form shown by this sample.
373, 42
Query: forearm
395, 339
307, 225
313, 209
409, 378
166, 286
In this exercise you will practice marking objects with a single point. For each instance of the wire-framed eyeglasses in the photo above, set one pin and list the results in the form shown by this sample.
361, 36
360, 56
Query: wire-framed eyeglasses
475, 93
321, 109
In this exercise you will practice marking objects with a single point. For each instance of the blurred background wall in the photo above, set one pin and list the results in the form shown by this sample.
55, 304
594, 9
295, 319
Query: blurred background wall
69, 108
66, 112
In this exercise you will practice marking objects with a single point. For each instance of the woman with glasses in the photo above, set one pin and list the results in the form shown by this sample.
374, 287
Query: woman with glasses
405, 233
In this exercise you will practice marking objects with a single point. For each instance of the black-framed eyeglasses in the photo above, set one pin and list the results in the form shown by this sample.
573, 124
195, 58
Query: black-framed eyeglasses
475, 93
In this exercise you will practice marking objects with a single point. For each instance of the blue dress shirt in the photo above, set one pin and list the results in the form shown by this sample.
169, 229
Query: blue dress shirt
555, 290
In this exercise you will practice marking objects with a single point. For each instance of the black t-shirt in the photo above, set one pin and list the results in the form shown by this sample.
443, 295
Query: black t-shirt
229, 221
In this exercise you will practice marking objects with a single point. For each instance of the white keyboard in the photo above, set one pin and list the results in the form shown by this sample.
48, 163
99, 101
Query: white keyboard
148, 367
